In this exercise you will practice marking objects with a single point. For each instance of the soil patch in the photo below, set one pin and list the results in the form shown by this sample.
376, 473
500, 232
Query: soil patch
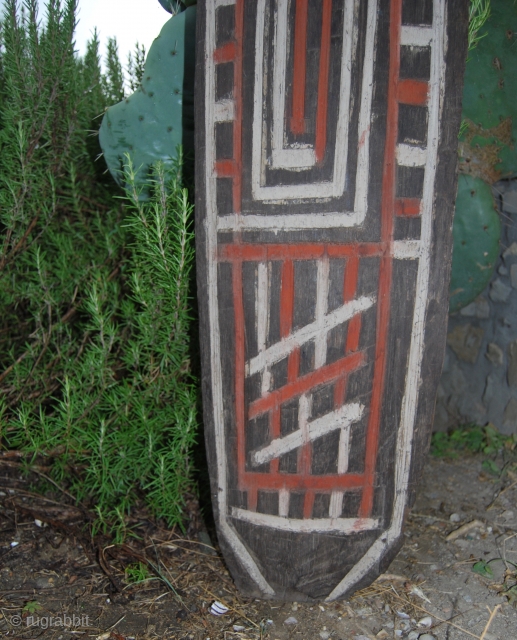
56, 582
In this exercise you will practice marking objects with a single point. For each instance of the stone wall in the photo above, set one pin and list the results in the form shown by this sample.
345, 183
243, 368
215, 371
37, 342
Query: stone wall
479, 379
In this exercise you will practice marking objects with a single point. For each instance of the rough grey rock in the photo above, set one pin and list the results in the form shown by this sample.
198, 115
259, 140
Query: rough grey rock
511, 251
510, 416
465, 340
494, 353
513, 275
458, 384
512, 364
510, 202
478, 309
503, 270
499, 291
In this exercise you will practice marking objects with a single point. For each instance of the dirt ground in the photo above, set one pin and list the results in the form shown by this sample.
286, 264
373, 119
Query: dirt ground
56, 583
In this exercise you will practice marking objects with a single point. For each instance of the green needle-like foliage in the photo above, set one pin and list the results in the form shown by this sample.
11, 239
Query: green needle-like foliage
95, 309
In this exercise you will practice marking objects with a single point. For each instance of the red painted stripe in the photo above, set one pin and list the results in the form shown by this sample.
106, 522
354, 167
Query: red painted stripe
308, 504
226, 168
320, 143
339, 392
351, 275
299, 67
293, 365
353, 334
226, 53
298, 482
407, 207
237, 123
305, 383
261, 252
413, 92
239, 367
385, 275
286, 298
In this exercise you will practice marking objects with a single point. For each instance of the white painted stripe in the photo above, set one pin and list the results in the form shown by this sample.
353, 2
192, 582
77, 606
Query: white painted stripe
342, 418
409, 156
262, 313
362, 179
344, 450
336, 504
416, 36
281, 157
304, 411
345, 526
224, 3
285, 346
373, 556
293, 158
336, 498
406, 249
322, 294
336, 186
247, 562
301, 221
283, 503
262, 305
224, 111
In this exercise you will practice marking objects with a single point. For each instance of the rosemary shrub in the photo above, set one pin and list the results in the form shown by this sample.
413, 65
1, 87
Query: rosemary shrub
95, 286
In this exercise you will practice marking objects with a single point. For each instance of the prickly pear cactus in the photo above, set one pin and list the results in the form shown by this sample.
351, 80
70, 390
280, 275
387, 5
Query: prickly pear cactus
151, 123
486, 151
490, 98
476, 233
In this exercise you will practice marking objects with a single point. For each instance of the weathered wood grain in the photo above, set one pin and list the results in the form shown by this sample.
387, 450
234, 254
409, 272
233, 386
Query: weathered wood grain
326, 134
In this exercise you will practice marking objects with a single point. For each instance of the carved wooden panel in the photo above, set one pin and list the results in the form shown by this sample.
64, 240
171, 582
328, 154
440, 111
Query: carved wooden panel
326, 157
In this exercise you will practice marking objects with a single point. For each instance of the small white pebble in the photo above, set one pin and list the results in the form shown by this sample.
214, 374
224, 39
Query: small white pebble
455, 517
324, 635
413, 635
14, 543
108, 601
38, 523
425, 622
402, 614
291, 620
427, 636
238, 627
398, 633
321, 608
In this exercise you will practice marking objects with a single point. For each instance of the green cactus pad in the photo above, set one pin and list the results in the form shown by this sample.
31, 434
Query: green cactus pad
151, 123
476, 233
489, 97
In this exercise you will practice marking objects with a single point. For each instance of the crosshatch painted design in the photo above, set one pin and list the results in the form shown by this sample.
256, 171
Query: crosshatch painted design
322, 125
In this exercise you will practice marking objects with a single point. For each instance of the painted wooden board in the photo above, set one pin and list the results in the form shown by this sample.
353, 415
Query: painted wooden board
325, 180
